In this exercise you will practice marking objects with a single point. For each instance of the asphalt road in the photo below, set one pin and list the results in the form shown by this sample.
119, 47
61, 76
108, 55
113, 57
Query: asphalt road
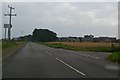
37, 61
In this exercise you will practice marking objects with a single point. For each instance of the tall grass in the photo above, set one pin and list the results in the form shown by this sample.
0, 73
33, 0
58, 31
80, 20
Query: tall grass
0, 44
9, 47
8, 44
84, 46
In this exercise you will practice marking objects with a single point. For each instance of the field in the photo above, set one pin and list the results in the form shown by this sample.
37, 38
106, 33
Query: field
85, 46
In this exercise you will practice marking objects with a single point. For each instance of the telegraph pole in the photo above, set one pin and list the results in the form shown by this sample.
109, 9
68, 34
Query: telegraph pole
5, 33
10, 24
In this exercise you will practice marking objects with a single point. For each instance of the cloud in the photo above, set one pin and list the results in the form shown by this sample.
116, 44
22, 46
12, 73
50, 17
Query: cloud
65, 18
60, 0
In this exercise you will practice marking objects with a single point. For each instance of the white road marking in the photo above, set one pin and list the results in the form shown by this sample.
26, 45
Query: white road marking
71, 67
86, 55
109, 53
48, 53
96, 57
92, 57
89, 56
112, 67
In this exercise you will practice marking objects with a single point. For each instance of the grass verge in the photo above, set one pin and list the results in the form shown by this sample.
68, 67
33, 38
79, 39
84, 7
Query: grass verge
9, 47
115, 57
9, 44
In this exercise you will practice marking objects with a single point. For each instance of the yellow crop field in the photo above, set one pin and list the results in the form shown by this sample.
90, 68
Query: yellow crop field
86, 44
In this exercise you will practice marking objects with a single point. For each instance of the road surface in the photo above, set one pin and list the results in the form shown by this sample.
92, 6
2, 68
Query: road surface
38, 61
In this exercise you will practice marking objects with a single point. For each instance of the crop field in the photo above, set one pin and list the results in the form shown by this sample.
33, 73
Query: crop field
86, 44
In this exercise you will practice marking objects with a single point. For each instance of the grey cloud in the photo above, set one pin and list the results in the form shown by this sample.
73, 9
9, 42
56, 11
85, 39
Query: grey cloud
66, 19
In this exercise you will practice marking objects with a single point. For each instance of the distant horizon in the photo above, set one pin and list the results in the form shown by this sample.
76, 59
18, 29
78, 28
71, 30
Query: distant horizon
73, 36
67, 36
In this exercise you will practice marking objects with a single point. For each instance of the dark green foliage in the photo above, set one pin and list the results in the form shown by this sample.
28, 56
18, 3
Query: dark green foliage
23, 38
28, 37
44, 35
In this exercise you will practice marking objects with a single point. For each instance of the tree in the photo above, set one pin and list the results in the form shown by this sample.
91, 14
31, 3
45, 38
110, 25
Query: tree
24, 38
90, 36
44, 35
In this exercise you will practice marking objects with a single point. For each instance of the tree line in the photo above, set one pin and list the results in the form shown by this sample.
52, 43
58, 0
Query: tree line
40, 35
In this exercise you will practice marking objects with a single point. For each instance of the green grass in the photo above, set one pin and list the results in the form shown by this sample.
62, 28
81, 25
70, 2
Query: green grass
96, 49
115, 57
10, 44
0, 45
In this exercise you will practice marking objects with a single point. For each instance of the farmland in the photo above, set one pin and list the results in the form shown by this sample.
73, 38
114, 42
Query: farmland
84, 46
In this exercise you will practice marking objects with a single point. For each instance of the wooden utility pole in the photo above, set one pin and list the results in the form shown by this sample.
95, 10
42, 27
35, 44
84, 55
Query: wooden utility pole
5, 33
10, 24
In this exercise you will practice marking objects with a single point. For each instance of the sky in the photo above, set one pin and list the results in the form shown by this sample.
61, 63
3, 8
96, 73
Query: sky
65, 18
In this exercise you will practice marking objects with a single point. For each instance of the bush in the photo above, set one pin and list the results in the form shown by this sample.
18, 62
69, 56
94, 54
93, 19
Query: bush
115, 57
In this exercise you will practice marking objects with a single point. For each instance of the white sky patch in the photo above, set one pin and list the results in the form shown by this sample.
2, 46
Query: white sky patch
62, 19
60, 0
0, 19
